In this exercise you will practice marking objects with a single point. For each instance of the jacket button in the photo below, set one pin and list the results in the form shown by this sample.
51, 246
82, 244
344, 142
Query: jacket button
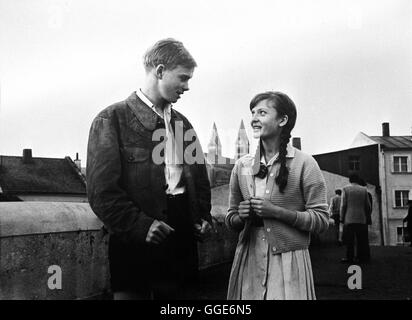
268, 229
274, 249
131, 158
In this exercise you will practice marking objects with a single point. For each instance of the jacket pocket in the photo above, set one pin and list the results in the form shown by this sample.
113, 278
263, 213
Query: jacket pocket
137, 166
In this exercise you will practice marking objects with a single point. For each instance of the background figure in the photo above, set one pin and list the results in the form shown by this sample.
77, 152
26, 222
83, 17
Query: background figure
369, 212
334, 211
277, 199
154, 204
408, 220
355, 210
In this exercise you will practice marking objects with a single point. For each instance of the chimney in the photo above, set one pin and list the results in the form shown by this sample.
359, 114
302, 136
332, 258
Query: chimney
78, 162
27, 158
385, 129
296, 143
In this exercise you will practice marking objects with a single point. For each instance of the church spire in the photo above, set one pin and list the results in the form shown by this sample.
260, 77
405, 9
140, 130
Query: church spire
214, 147
242, 142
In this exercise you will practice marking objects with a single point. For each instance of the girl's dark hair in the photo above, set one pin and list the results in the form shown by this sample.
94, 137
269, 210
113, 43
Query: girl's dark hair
284, 107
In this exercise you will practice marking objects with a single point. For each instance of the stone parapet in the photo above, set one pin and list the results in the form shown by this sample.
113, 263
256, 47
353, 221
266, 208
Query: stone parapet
37, 235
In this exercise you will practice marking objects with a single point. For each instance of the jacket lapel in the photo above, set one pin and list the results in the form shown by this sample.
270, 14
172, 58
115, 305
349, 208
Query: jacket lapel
175, 117
143, 113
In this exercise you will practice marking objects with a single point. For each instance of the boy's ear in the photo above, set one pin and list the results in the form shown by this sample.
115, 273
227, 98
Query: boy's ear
159, 71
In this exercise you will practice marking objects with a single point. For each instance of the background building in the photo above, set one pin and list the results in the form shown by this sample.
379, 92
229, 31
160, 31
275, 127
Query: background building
384, 162
41, 179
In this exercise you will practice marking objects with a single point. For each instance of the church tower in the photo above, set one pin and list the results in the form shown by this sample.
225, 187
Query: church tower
214, 148
242, 142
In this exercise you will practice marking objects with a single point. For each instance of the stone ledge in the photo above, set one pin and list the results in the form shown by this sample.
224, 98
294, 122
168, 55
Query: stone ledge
28, 218
35, 235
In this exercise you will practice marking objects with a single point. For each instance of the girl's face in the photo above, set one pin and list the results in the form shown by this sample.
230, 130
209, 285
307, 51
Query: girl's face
266, 122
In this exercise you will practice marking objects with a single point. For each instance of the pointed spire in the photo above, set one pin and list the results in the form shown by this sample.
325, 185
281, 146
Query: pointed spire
217, 140
242, 125
242, 136
242, 142
214, 147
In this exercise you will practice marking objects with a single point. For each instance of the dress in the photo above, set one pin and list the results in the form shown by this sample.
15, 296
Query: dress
264, 276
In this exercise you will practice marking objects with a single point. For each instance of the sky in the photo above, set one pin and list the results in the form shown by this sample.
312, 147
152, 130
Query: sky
347, 65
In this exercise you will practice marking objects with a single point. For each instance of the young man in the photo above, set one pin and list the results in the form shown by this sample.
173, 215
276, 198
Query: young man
148, 184
355, 208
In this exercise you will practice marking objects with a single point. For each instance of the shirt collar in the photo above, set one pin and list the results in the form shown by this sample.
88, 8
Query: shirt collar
273, 159
290, 154
147, 102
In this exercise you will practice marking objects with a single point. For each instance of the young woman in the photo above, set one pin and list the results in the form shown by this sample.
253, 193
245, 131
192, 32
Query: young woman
277, 198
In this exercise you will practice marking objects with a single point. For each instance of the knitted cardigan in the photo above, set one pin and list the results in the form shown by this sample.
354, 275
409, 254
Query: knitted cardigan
305, 194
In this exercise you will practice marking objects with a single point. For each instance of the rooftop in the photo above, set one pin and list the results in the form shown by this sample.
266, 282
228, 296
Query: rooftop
40, 175
394, 142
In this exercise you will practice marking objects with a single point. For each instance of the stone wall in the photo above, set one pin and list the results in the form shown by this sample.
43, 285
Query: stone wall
37, 235
220, 247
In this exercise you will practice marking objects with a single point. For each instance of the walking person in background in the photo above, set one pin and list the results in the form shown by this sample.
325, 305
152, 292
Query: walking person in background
334, 211
355, 209
154, 205
408, 220
369, 212
277, 198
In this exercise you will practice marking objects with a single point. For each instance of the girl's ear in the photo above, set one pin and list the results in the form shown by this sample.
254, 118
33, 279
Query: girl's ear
284, 121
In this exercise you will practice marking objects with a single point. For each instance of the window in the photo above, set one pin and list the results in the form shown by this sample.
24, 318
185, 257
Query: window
354, 163
401, 198
400, 164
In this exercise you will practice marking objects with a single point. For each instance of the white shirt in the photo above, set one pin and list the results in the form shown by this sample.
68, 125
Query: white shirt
173, 165
260, 184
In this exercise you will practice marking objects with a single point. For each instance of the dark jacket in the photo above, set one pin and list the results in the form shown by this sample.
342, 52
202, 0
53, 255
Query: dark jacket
355, 205
125, 187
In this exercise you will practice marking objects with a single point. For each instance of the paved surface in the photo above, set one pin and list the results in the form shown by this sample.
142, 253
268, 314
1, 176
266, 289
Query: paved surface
388, 276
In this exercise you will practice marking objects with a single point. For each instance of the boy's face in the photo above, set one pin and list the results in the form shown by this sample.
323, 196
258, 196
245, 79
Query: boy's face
174, 83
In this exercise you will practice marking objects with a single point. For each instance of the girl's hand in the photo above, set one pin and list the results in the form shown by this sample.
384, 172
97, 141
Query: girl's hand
244, 210
263, 207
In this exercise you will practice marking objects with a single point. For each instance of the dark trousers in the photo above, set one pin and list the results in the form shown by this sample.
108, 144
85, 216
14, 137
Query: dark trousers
409, 229
337, 228
357, 232
161, 271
